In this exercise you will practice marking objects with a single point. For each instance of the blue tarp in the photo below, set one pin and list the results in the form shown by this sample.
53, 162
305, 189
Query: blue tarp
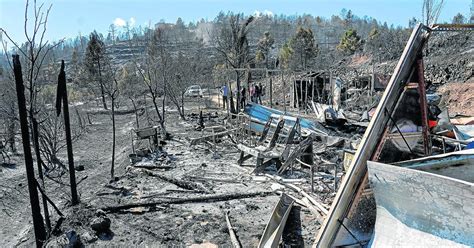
262, 114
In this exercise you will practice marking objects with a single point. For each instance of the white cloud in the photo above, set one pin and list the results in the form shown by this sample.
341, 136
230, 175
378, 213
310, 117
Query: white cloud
131, 21
119, 22
266, 12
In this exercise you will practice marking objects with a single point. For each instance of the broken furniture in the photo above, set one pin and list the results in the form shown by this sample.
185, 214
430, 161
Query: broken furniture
212, 134
149, 135
277, 144
266, 147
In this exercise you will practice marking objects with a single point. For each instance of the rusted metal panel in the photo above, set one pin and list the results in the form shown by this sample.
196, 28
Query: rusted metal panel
422, 208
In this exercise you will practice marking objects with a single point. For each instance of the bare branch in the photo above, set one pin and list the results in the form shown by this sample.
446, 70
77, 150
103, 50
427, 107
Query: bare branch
14, 43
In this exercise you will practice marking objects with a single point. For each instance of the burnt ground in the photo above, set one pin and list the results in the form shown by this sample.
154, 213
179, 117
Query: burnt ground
185, 224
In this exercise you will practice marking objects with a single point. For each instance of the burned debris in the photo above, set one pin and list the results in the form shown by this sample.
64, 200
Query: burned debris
183, 138
399, 143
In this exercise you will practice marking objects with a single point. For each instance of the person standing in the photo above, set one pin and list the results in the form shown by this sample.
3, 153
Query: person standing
243, 98
224, 92
258, 92
252, 93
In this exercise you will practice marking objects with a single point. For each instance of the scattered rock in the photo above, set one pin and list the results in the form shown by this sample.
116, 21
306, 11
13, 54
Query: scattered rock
100, 224
79, 168
204, 245
100, 212
60, 241
89, 237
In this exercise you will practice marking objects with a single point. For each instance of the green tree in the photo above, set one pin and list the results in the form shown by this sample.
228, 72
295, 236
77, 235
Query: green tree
459, 19
285, 55
471, 20
350, 42
303, 48
412, 22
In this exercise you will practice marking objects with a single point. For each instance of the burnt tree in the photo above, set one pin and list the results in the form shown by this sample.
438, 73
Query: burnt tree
62, 100
40, 232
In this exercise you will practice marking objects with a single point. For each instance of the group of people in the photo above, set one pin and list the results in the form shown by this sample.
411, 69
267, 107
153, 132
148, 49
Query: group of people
256, 92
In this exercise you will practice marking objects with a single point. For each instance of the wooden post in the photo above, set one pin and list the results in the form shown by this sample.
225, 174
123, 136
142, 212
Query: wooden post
237, 108
372, 83
306, 95
271, 92
300, 98
38, 225
233, 237
284, 94
323, 92
62, 91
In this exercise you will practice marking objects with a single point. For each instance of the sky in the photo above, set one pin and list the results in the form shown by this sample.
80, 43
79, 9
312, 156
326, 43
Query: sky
68, 18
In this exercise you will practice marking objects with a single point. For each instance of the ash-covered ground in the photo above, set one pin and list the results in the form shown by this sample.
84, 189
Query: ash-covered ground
212, 168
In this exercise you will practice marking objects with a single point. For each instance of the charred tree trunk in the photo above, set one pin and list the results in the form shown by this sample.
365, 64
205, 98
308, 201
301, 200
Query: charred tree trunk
38, 225
11, 135
155, 104
163, 106
136, 112
62, 96
102, 90
238, 92
79, 119
231, 99
113, 140
182, 105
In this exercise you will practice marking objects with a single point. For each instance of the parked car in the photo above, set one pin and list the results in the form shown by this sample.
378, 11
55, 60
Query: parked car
193, 91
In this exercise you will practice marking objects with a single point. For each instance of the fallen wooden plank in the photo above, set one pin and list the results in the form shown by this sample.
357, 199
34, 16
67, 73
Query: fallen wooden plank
321, 208
154, 167
206, 179
311, 208
180, 183
207, 198
233, 237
